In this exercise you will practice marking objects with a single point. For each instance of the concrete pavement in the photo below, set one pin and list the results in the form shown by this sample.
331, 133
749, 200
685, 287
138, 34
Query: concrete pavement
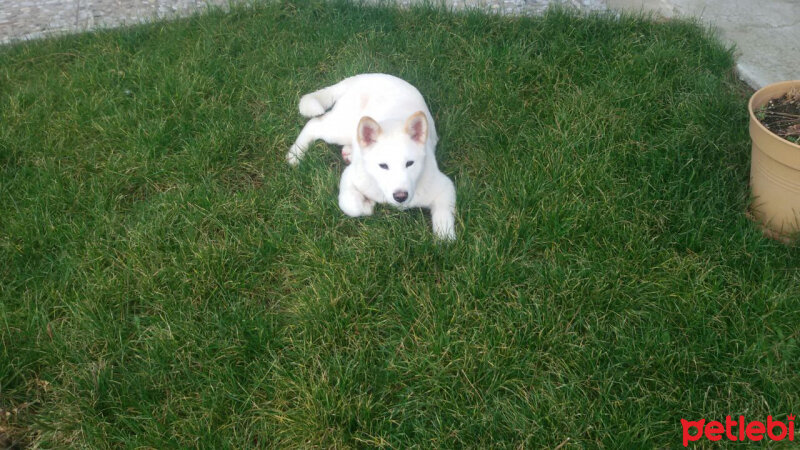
766, 33
31, 19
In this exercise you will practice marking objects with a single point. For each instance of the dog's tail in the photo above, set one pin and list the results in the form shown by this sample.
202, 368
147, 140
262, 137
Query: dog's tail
316, 103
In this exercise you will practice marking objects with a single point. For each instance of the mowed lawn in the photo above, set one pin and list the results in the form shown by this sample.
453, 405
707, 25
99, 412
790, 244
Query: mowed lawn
167, 280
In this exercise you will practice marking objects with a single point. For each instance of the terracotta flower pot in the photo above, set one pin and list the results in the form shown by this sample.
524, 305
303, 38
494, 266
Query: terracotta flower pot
774, 170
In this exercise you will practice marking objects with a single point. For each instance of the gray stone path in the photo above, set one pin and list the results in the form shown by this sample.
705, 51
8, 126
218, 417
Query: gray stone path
28, 19
766, 33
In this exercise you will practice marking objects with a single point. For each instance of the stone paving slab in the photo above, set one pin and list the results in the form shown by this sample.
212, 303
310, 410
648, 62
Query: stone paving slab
20, 19
766, 33
31, 19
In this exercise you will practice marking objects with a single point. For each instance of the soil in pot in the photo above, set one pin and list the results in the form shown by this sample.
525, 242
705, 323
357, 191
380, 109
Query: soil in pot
782, 116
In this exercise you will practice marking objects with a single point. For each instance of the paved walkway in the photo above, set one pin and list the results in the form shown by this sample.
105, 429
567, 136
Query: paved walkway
29, 19
766, 33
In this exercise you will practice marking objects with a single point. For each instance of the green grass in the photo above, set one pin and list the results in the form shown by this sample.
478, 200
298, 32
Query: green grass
167, 280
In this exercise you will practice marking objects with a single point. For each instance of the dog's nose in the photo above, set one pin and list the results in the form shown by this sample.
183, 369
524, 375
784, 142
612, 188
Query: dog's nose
400, 196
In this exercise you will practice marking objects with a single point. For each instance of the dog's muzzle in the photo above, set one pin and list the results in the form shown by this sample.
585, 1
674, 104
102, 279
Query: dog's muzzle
400, 196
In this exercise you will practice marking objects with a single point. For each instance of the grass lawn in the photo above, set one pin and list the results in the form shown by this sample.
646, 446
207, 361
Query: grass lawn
167, 280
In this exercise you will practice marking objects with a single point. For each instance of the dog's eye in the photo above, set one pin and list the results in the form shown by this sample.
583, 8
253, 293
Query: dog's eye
383, 166
410, 163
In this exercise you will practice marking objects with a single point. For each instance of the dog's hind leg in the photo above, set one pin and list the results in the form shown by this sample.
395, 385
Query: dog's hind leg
325, 127
347, 152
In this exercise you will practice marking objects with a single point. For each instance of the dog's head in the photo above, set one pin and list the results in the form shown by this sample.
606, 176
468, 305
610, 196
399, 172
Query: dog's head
394, 154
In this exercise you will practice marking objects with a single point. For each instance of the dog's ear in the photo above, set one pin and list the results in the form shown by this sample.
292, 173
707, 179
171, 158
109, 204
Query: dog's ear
368, 131
417, 127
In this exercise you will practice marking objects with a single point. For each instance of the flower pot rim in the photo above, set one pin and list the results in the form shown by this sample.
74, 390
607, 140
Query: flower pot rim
769, 91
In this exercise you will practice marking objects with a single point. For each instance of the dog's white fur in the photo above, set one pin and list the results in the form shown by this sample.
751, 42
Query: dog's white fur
387, 132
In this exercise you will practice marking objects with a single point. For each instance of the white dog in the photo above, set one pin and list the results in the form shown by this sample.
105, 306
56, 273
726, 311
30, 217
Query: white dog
388, 135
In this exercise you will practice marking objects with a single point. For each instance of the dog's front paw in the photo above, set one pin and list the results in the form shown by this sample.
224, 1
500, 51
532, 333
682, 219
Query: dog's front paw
444, 226
293, 155
355, 205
